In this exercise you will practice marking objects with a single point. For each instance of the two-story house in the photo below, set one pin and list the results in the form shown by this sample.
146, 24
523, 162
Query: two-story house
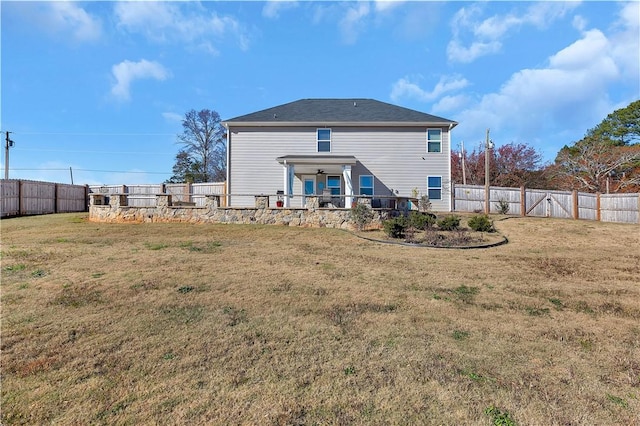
344, 147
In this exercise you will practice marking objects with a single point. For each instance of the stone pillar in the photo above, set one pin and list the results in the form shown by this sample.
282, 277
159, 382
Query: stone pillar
117, 200
163, 200
262, 201
212, 202
97, 199
312, 202
365, 200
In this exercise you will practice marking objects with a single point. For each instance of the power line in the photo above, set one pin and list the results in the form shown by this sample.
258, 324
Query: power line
94, 152
91, 170
91, 134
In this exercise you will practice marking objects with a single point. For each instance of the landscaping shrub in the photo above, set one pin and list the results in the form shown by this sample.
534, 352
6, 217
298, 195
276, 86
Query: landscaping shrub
481, 223
421, 220
503, 206
362, 215
396, 227
449, 223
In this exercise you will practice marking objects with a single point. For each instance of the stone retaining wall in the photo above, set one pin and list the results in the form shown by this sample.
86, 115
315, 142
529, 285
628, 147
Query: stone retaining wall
117, 211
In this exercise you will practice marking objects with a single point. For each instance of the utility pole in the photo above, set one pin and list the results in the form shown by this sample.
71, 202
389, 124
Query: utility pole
464, 169
9, 143
488, 145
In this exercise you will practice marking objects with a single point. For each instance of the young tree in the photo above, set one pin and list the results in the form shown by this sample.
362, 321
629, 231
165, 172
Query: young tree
203, 157
186, 169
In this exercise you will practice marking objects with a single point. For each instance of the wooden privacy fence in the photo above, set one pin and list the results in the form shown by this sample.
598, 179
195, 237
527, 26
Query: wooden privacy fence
27, 197
623, 208
145, 195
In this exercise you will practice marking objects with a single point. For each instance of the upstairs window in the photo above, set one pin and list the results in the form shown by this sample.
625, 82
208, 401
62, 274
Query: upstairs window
434, 140
434, 187
324, 140
366, 185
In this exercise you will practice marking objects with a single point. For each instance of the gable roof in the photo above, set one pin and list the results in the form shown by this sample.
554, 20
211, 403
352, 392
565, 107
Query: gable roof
338, 111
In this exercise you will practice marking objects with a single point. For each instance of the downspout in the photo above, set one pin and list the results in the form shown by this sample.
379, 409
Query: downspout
449, 169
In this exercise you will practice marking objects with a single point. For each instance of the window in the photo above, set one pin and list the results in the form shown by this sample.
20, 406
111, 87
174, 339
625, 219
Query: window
333, 184
366, 185
434, 140
324, 140
434, 187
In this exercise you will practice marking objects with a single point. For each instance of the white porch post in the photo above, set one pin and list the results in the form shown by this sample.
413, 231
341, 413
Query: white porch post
348, 186
288, 181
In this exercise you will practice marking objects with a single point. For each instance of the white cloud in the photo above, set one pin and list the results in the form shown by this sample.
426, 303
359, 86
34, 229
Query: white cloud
272, 8
172, 117
456, 52
567, 97
405, 88
624, 43
181, 22
353, 21
488, 33
61, 18
126, 72
385, 5
451, 104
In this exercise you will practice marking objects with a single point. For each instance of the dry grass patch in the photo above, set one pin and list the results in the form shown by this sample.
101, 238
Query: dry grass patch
226, 324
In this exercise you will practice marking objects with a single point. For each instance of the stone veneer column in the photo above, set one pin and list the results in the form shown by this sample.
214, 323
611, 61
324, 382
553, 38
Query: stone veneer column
212, 201
117, 200
163, 200
262, 201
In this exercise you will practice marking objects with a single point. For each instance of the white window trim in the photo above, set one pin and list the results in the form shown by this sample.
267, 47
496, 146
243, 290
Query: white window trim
441, 140
434, 187
318, 140
373, 183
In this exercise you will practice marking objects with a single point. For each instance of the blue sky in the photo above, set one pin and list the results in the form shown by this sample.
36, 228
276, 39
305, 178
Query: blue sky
101, 87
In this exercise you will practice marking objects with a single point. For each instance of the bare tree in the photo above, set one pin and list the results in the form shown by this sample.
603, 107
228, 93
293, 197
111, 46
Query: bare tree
204, 149
606, 159
594, 165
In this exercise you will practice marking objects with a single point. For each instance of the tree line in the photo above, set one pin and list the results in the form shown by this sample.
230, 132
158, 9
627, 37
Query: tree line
606, 159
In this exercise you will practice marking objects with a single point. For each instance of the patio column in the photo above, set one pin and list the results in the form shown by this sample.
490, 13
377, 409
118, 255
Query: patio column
288, 183
348, 186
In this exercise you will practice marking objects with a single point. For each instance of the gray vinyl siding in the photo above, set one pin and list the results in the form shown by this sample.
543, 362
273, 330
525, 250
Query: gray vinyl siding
396, 156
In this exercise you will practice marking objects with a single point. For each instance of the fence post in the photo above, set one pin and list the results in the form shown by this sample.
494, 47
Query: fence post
576, 207
20, 200
638, 208
523, 201
55, 198
598, 215
188, 188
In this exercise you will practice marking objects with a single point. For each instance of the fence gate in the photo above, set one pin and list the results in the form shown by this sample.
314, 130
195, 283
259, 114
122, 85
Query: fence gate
549, 204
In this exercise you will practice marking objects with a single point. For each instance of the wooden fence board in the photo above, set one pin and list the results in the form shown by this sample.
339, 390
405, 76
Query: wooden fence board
624, 208
28, 197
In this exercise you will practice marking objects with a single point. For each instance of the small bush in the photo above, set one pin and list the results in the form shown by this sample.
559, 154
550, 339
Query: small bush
503, 206
449, 223
396, 227
421, 220
361, 215
481, 223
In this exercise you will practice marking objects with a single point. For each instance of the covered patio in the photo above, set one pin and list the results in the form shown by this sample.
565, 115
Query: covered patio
327, 177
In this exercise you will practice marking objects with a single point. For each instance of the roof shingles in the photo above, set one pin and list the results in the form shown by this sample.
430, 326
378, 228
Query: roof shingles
351, 110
